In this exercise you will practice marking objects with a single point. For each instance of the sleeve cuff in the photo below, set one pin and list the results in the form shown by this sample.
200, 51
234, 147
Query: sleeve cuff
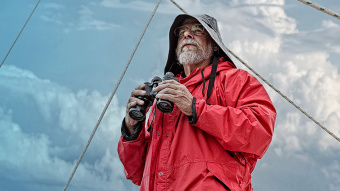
193, 118
135, 134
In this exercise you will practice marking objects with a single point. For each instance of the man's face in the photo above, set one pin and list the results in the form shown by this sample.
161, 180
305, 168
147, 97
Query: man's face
194, 43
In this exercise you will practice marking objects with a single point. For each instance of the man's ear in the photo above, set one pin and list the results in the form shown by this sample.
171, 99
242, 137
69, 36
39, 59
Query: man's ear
215, 47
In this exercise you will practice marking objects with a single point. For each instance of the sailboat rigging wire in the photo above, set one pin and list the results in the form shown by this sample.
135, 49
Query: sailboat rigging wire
274, 88
19, 34
110, 99
179, 7
322, 9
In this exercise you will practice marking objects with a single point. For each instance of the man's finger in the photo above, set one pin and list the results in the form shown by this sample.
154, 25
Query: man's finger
169, 97
136, 100
167, 85
136, 93
140, 87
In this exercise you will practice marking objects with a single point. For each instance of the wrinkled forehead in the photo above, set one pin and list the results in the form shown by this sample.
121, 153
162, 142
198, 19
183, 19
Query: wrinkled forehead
190, 21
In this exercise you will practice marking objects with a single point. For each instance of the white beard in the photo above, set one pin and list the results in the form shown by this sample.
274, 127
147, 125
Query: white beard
189, 56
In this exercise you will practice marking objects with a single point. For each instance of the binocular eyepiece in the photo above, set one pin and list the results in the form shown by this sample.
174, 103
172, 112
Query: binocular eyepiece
138, 112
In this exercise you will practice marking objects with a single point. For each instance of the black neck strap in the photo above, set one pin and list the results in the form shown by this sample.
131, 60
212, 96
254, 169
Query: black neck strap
212, 76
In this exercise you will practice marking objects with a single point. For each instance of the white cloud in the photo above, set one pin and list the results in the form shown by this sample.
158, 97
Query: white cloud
263, 35
26, 152
322, 38
88, 21
307, 78
332, 172
134, 5
296, 61
54, 13
53, 6
166, 7
266, 2
311, 78
74, 115
329, 24
52, 19
84, 20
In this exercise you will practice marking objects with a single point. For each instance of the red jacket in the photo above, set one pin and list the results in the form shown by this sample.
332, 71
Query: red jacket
234, 128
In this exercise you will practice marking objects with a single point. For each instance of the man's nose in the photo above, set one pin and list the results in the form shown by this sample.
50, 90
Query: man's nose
187, 33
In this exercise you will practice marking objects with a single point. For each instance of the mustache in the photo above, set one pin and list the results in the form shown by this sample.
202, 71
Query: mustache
188, 41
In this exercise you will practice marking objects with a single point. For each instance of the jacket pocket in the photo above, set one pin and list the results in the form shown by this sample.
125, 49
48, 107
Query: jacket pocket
228, 175
208, 182
222, 183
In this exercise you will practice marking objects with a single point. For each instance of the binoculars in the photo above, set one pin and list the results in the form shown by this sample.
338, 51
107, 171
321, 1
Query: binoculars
138, 112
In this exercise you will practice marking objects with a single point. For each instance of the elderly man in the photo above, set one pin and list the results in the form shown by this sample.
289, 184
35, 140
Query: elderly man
221, 123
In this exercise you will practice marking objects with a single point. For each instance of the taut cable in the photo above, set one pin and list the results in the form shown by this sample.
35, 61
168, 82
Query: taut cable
274, 88
19, 34
110, 99
322, 9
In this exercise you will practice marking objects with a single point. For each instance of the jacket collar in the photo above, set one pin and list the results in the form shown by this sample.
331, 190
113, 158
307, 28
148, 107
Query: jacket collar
195, 76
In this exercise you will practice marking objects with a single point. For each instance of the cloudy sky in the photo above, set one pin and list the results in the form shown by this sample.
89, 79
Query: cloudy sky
62, 70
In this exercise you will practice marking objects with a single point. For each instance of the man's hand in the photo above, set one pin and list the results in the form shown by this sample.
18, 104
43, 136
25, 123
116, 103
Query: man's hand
177, 93
133, 101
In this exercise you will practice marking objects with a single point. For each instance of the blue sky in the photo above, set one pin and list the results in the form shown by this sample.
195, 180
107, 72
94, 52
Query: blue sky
62, 70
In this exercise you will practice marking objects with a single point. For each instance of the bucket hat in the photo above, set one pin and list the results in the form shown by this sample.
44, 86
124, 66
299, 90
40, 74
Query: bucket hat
210, 25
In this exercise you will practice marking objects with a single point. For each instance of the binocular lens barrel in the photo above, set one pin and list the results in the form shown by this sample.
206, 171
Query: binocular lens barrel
137, 113
165, 106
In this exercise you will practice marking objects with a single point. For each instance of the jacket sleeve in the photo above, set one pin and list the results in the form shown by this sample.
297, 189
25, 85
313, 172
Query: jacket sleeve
245, 122
132, 154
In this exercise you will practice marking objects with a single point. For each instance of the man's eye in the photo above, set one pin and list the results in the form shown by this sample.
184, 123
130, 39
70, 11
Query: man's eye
182, 31
197, 29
